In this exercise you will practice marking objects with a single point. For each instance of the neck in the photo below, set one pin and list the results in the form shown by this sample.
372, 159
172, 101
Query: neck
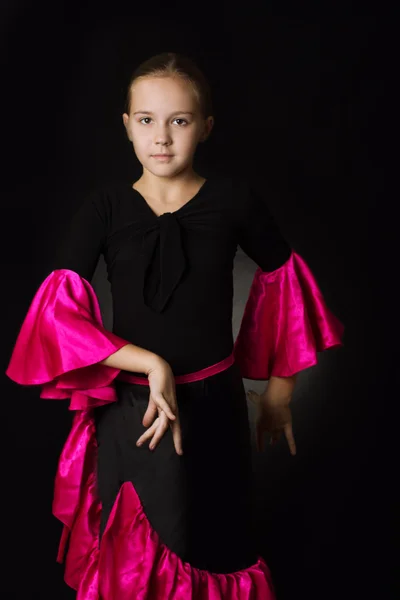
167, 189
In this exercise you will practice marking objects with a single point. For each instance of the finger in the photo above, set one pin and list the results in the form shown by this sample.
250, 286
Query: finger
290, 438
163, 425
163, 404
150, 414
275, 437
147, 434
177, 436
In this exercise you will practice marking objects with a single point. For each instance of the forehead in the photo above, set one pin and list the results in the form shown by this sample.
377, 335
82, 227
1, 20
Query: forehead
159, 94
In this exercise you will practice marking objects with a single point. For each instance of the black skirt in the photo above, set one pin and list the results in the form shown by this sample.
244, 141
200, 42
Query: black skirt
201, 503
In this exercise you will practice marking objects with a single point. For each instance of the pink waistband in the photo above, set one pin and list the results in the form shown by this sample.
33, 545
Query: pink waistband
189, 378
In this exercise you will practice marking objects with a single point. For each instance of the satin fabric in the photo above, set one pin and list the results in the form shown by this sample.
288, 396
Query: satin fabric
61, 341
170, 577
129, 562
189, 378
285, 323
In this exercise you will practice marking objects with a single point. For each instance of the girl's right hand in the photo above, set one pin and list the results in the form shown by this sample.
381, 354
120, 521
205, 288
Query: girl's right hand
162, 402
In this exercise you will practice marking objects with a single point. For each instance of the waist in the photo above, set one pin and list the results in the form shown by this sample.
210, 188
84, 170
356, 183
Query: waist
186, 344
187, 378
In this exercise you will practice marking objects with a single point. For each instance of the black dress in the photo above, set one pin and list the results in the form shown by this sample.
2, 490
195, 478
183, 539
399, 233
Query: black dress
152, 524
172, 290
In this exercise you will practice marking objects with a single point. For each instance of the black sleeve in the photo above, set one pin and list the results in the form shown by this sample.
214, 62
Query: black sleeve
259, 235
84, 237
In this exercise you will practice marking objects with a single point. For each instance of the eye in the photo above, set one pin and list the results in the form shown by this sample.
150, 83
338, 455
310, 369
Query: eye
144, 119
183, 122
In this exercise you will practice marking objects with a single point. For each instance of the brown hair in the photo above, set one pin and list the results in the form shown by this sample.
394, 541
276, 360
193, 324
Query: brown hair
171, 64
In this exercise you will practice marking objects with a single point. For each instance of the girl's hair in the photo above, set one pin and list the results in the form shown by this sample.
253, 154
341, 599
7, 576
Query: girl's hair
171, 64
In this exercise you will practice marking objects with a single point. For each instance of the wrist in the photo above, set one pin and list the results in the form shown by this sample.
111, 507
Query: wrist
151, 361
134, 359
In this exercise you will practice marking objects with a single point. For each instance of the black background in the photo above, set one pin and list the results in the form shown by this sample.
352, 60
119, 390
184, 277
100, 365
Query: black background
300, 107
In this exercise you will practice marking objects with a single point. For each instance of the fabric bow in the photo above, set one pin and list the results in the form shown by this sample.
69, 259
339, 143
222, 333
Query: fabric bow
164, 261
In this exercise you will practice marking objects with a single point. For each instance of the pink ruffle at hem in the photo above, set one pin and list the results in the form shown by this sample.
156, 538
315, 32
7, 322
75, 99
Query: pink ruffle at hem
130, 561
285, 323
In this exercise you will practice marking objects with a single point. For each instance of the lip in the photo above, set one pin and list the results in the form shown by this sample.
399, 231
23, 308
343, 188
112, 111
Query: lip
162, 156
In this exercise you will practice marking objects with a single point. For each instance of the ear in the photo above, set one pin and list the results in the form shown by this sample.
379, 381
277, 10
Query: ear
125, 120
208, 125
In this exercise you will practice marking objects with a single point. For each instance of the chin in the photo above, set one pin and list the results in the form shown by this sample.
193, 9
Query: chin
165, 169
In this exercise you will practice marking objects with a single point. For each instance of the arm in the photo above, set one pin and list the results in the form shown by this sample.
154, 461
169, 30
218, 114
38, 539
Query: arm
62, 342
132, 358
286, 320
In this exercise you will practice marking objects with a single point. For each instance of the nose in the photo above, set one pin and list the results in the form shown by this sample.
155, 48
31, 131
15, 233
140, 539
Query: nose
162, 136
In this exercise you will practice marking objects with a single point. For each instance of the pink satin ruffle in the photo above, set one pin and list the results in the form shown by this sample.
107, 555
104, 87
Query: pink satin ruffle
130, 561
61, 340
285, 323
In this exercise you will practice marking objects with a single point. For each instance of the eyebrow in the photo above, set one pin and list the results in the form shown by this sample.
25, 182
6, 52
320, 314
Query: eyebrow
177, 112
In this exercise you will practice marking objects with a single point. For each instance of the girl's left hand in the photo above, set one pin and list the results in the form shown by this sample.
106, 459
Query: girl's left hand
273, 413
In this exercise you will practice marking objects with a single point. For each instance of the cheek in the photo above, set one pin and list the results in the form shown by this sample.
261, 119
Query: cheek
190, 139
140, 140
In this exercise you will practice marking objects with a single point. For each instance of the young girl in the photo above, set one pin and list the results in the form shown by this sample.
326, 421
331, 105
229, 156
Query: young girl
154, 482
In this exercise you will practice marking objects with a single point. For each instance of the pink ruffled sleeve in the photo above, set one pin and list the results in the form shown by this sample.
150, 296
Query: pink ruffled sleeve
62, 341
286, 321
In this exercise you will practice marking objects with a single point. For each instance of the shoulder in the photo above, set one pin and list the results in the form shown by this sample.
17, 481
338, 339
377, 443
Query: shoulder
233, 188
103, 201
240, 194
253, 195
